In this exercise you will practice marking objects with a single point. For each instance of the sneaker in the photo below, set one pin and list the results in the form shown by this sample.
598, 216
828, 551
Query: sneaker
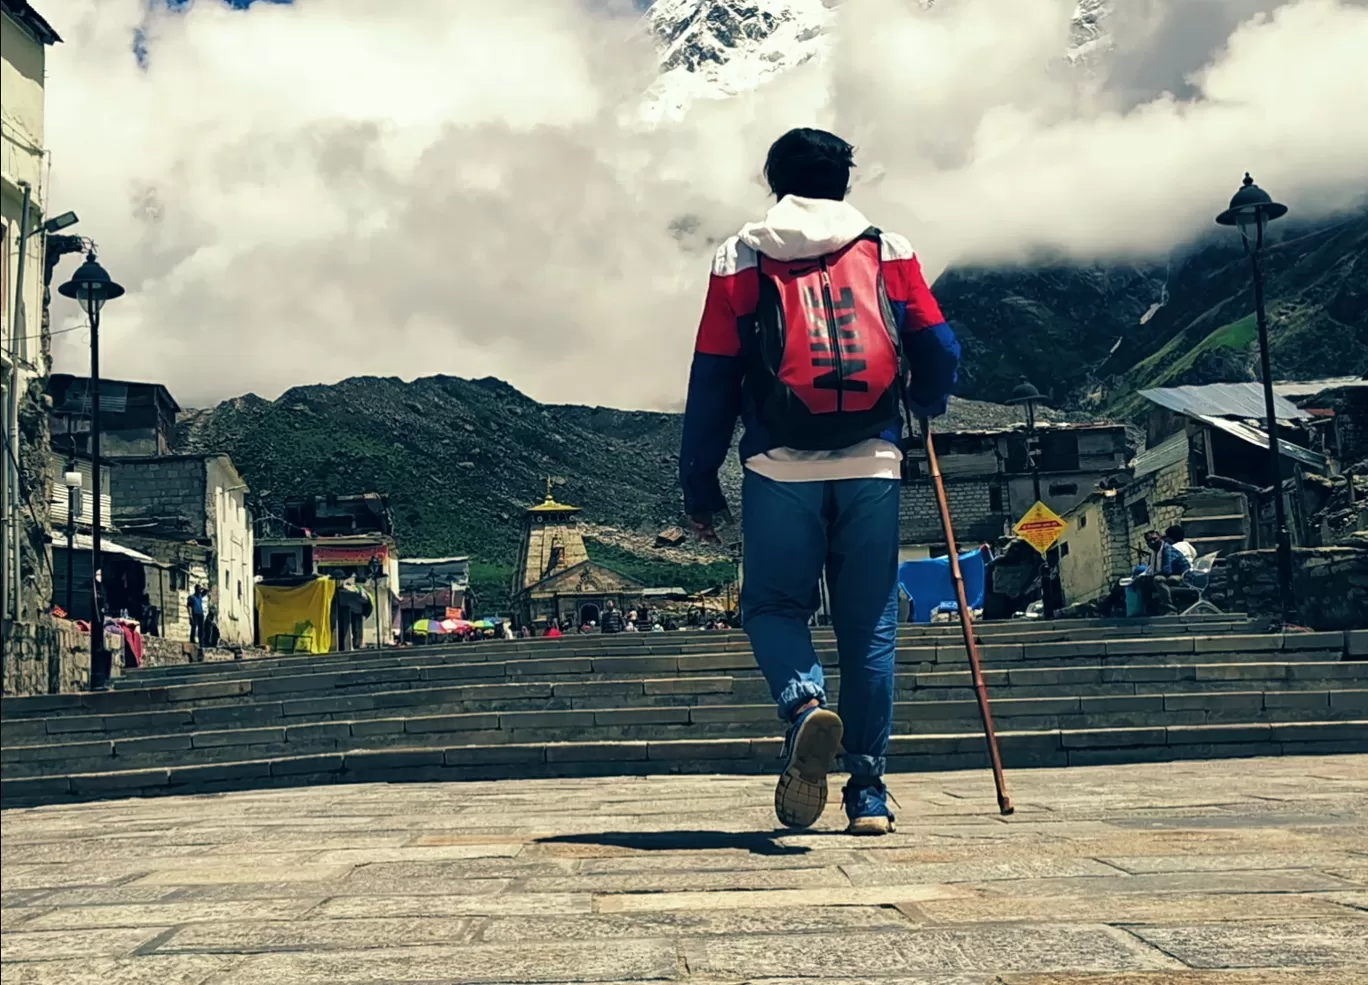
867, 807
813, 739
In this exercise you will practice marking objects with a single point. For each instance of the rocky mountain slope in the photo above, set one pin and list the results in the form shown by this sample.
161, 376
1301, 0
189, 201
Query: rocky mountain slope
461, 459
1091, 335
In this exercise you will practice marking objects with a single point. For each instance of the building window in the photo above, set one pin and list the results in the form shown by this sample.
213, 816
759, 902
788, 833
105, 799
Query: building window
1058, 451
1139, 513
995, 504
1063, 489
1082, 520
1064, 549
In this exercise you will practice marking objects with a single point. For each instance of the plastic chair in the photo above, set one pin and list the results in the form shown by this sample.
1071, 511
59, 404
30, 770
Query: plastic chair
1199, 577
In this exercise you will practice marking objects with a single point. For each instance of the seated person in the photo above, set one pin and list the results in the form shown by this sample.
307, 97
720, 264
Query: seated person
1167, 570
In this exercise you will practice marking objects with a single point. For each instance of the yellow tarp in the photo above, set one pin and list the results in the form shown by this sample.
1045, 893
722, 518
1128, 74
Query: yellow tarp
296, 618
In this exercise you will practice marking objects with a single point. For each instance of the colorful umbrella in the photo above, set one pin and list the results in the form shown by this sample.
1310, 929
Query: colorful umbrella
431, 626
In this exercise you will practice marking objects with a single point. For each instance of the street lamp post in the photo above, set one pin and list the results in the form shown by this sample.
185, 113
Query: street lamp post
91, 286
1025, 395
374, 569
1251, 210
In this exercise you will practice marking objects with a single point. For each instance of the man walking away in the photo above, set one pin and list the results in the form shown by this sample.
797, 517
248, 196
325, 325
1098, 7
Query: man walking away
611, 621
195, 606
816, 329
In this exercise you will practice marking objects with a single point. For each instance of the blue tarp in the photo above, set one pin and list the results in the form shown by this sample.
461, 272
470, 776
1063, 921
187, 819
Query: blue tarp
927, 582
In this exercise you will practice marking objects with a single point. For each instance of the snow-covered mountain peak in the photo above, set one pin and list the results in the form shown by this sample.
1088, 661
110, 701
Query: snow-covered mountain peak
712, 49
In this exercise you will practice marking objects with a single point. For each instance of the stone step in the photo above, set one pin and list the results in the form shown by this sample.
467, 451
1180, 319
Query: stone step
907, 753
1292, 676
687, 643
433, 668
1114, 654
657, 723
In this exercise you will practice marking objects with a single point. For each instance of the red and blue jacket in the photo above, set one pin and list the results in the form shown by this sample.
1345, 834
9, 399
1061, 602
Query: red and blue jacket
717, 398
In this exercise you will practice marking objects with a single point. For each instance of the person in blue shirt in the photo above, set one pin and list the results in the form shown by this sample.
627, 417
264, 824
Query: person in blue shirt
195, 605
1168, 568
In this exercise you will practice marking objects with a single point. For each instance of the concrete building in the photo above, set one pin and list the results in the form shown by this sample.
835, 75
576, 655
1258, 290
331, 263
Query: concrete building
136, 419
191, 511
433, 588
24, 40
988, 483
334, 537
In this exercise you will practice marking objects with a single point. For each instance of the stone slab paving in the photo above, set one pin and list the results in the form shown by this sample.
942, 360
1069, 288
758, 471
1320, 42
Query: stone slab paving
1248, 872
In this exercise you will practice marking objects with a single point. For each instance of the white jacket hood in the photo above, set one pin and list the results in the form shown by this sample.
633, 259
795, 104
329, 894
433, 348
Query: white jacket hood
799, 228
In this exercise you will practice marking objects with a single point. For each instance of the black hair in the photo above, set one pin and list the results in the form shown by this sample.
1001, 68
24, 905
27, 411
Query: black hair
1174, 533
809, 163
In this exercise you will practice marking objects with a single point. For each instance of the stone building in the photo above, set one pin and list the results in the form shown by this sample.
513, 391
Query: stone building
988, 483
191, 511
554, 578
25, 565
1206, 468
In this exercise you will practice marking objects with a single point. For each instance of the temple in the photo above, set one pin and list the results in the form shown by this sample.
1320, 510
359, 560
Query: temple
554, 578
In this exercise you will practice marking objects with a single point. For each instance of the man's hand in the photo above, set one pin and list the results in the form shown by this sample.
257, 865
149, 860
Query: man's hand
705, 525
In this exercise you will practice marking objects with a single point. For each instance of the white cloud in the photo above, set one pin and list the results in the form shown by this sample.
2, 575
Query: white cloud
302, 193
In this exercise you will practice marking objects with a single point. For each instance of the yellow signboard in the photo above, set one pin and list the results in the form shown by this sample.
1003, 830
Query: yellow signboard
1040, 527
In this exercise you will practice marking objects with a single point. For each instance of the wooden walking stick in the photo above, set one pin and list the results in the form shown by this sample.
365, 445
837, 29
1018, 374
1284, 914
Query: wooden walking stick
967, 624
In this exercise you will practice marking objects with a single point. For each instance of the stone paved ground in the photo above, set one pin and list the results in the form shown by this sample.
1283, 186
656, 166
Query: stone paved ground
1211, 873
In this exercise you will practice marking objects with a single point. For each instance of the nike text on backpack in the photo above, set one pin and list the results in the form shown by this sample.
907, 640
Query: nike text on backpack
825, 367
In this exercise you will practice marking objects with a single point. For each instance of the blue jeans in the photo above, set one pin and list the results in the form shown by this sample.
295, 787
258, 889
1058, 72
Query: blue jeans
849, 527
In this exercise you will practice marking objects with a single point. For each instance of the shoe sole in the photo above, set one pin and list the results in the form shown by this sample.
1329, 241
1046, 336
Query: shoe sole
871, 826
801, 796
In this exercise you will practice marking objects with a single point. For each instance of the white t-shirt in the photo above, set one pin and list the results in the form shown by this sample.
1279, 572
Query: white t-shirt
871, 459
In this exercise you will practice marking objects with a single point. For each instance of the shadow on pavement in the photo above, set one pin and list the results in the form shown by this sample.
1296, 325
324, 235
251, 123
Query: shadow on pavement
755, 842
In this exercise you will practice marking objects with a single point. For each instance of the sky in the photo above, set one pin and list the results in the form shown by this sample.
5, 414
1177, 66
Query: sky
297, 193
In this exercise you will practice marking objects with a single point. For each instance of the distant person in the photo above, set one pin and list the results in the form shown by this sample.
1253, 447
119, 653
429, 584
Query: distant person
1167, 570
553, 631
611, 621
149, 617
1176, 536
818, 329
196, 605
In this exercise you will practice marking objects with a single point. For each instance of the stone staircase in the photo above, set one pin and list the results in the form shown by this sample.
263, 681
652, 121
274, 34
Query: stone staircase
1075, 692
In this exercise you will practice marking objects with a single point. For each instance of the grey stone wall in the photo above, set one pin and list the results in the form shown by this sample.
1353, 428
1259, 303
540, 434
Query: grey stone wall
162, 496
1330, 585
49, 656
161, 652
971, 510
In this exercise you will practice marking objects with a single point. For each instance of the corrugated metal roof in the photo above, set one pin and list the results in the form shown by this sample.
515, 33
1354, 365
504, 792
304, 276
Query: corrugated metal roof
1242, 400
1171, 451
1309, 388
1259, 438
83, 542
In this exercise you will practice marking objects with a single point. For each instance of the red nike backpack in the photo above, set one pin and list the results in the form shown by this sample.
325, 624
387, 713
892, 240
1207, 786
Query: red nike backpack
826, 369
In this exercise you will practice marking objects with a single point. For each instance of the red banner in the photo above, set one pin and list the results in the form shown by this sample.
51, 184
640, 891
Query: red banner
349, 556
